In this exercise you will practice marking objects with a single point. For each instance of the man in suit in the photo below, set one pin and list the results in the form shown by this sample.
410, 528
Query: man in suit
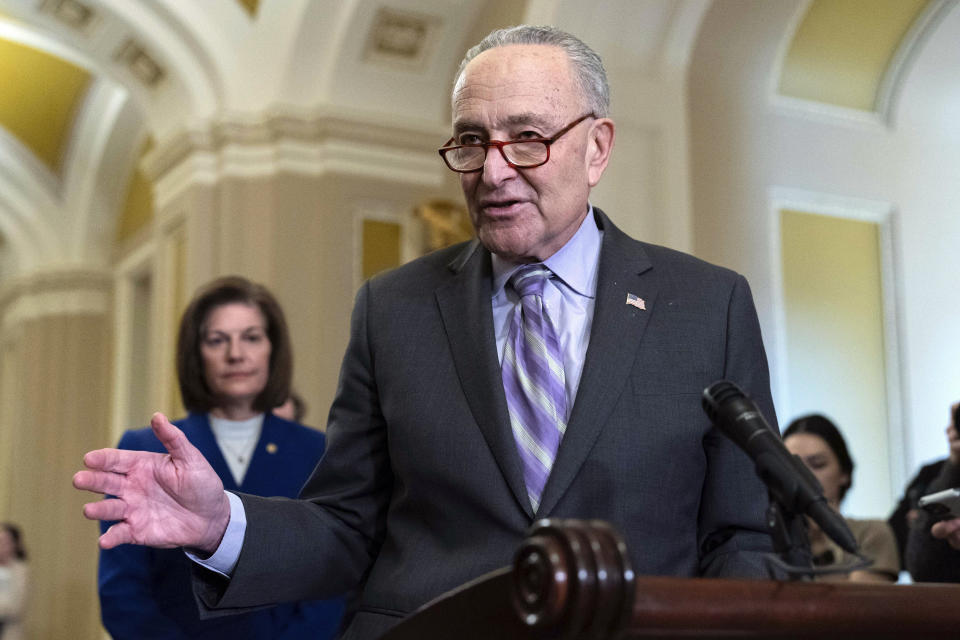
448, 437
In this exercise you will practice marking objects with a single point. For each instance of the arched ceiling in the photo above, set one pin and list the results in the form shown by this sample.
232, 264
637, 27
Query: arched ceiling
838, 54
54, 89
842, 50
928, 111
183, 61
86, 83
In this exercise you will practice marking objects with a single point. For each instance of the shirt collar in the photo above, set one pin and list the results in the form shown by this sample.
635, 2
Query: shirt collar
575, 263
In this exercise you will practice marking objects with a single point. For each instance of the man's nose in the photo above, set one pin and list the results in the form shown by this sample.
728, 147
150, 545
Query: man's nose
495, 167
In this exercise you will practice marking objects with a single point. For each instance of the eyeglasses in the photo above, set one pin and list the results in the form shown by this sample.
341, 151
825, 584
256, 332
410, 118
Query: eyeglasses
518, 154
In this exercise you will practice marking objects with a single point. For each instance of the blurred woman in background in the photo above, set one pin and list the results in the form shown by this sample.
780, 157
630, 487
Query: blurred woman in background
13, 582
819, 443
234, 365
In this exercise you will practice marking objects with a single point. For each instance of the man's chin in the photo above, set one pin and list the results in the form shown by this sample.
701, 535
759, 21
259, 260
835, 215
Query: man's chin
505, 245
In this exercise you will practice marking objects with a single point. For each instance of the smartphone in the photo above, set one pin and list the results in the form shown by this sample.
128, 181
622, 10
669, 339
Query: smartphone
942, 504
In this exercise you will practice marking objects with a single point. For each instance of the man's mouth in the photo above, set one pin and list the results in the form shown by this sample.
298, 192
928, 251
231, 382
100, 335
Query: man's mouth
500, 207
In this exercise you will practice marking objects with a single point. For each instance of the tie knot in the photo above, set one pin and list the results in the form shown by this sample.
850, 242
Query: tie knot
530, 279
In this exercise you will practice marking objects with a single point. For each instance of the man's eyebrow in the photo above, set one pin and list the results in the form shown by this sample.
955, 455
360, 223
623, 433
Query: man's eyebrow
535, 119
460, 127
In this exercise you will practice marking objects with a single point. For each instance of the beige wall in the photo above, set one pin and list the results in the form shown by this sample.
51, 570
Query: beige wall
834, 335
296, 226
56, 347
753, 152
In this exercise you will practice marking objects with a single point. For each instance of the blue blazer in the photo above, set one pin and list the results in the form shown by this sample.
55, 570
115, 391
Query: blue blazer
145, 593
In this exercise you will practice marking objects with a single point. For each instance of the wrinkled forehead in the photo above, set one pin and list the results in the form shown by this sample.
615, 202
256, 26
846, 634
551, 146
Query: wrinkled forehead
499, 84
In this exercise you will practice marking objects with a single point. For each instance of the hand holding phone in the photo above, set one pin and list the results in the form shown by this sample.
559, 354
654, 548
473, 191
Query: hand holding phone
943, 505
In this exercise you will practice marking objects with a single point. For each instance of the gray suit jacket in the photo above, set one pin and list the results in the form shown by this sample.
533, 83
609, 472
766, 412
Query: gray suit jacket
421, 487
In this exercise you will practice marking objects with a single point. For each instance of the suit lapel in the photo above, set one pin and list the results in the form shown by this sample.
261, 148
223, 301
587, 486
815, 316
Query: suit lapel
615, 337
464, 304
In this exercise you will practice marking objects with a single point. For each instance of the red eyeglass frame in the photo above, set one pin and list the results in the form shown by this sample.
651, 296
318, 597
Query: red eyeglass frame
500, 144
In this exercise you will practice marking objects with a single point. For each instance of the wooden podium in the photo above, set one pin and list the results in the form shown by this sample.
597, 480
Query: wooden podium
572, 580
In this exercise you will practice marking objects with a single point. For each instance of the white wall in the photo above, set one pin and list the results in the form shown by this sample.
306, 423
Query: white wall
927, 181
743, 144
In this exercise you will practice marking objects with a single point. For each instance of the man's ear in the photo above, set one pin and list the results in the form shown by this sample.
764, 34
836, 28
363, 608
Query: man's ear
599, 148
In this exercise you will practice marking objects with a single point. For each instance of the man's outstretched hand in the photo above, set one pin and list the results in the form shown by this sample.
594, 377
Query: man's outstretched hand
159, 500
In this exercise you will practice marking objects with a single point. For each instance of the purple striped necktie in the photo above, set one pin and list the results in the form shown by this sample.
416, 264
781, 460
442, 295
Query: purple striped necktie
533, 380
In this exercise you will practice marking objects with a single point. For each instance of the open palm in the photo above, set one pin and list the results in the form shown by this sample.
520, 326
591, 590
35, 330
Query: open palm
159, 500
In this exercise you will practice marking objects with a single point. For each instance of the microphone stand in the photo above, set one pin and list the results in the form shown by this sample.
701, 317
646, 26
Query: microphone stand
790, 541
787, 522
794, 490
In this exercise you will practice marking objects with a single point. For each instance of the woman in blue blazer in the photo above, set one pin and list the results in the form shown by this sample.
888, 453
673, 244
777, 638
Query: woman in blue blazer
234, 365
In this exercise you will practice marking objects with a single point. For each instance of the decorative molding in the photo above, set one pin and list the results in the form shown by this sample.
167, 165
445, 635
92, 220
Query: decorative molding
828, 113
913, 42
196, 169
447, 222
883, 214
292, 124
810, 109
783, 48
17, 159
55, 293
95, 176
401, 38
838, 206
138, 261
139, 264
141, 65
379, 210
53, 219
323, 142
37, 29
132, 44
881, 116
29, 196
76, 15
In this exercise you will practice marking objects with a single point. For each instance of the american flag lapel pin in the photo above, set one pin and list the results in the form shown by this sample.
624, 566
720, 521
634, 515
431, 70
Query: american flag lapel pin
636, 301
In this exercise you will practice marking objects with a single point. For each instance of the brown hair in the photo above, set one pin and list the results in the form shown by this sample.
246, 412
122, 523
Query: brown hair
821, 426
18, 551
196, 395
299, 406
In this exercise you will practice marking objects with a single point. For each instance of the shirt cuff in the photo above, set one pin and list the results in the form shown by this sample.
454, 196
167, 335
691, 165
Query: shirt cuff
224, 559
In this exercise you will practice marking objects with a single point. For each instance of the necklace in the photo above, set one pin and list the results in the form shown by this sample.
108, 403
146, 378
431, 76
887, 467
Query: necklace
237, 439
244, 451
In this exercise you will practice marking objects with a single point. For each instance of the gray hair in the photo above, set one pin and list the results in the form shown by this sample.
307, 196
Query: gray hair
591, 76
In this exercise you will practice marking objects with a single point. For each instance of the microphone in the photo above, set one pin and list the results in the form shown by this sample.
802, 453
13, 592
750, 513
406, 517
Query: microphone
788, 479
